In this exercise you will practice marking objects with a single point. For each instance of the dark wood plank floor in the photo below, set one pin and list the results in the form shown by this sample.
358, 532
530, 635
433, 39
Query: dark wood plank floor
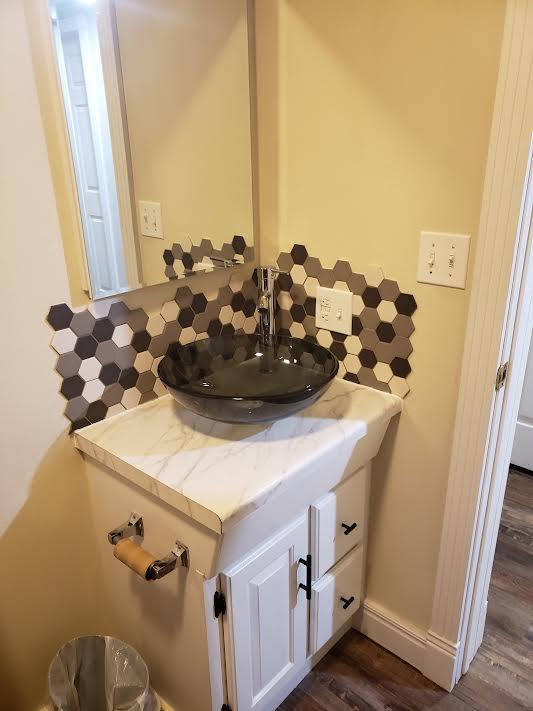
360, 675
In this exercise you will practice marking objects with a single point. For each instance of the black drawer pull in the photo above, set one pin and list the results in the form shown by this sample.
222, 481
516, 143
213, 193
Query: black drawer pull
347, 602
307, 587
348, 529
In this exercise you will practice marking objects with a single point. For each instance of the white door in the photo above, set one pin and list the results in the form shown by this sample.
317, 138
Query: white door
522, 455
266, 622
87, 120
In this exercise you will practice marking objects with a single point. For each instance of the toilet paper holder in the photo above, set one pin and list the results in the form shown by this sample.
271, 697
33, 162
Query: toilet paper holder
158, 568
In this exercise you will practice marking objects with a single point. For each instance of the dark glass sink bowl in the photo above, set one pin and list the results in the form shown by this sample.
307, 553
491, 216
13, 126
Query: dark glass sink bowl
239, 379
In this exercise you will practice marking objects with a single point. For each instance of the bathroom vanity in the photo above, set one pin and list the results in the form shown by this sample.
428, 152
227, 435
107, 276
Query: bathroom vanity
274, 520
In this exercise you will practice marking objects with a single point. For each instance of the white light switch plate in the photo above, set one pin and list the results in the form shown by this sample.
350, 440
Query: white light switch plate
333, 310
150, 222
443, 259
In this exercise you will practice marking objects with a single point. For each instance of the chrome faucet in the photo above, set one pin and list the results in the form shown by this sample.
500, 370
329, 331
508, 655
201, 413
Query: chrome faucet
266, 302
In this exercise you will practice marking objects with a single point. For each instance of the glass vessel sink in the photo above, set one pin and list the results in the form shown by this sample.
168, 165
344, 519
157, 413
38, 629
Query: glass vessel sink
240, 379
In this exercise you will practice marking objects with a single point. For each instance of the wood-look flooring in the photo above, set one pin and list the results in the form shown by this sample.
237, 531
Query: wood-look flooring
360, 675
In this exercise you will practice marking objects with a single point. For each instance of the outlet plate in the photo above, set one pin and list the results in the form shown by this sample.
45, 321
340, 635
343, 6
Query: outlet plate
150, 222
333, 310
443, 259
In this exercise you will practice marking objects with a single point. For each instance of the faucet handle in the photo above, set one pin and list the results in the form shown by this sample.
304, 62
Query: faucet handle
272, 270
265, 278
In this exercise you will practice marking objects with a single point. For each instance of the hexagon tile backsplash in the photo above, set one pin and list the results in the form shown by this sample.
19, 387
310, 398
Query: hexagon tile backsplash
108, 354
378, 349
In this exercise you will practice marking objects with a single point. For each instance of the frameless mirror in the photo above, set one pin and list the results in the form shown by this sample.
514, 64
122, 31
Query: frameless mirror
157, 104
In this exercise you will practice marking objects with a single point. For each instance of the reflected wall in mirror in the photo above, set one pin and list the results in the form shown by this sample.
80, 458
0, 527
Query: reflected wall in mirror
157, 104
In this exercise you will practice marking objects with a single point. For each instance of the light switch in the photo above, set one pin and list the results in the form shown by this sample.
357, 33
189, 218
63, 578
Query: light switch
443, 259
150, 222
333, 310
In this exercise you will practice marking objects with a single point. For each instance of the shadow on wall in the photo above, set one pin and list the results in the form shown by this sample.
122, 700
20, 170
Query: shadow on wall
48, 560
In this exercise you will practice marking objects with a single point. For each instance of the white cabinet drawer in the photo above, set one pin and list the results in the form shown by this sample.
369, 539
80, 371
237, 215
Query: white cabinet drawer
337, 522
335, 598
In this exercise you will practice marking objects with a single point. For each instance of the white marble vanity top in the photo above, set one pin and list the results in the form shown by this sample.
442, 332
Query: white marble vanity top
218, 473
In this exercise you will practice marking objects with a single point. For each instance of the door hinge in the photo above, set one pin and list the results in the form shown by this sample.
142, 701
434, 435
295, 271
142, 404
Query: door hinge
501, 376
219, 603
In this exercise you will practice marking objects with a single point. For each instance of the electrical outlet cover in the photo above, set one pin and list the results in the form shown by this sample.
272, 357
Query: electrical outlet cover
334, 310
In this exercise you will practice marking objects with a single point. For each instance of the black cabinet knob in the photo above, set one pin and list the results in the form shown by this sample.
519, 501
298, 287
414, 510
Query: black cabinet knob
347, 601
347, 528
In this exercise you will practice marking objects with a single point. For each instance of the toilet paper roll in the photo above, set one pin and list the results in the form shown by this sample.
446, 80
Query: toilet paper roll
134, 556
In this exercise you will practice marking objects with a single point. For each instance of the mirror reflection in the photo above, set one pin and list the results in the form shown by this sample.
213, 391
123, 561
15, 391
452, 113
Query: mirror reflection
157, 105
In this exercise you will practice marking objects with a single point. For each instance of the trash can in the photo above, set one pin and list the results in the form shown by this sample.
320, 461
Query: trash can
97, 673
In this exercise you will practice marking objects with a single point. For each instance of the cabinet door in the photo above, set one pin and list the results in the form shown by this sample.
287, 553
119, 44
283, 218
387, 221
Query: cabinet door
265, 629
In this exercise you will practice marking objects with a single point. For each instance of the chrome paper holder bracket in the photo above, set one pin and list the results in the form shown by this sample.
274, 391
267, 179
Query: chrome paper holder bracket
178, 557
134, 526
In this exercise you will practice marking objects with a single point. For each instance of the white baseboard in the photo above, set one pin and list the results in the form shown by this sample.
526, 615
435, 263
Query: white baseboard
401, 638
440, 661
433, 656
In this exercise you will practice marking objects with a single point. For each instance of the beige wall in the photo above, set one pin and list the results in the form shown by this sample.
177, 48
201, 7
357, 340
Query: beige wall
48, 589
374, 120
186, 86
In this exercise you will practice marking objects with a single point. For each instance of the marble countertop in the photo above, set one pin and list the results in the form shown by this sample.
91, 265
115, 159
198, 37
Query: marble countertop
217, 473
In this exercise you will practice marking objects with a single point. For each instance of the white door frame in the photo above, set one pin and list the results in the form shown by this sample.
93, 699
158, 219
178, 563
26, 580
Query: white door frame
499, 326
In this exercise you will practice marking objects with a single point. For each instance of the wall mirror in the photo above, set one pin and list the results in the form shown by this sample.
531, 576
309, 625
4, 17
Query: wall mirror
156, 97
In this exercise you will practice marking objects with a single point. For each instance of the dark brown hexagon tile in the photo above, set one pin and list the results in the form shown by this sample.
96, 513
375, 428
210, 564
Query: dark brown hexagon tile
299, 254
59, 316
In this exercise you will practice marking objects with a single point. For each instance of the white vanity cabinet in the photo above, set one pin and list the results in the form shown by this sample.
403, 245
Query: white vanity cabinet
274, 518
276, 617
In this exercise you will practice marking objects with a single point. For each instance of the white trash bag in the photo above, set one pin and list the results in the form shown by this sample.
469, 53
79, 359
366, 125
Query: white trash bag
98, 673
